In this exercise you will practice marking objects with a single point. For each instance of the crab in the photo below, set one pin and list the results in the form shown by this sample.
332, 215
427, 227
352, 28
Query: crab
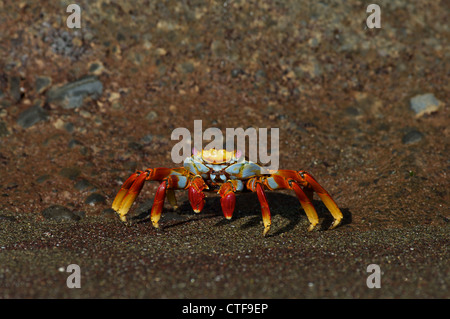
227, 173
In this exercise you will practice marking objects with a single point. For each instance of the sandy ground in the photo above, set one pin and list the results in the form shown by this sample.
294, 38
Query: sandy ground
364, 110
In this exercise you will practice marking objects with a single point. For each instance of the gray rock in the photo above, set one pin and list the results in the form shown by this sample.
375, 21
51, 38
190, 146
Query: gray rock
60, 213
147, 138
84, 184
3, 129
352, 111
186, 67
424, 104
109, 213
31, 116
14, 88
43, 178
73, 143
42, 83
236, 72
69, 127
95, 198
413, 136
151, 116
72, 95
70, 172
80, 213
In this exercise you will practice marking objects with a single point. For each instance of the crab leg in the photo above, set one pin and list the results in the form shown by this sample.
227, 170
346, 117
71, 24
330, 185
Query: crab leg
256, 185
171, 197
124, 190
264, 207
167, 186
133, 186
325, 197
292, 179
158, 202
307, 206
195, 193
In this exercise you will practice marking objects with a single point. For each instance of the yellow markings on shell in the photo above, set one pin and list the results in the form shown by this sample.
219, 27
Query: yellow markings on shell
217, 156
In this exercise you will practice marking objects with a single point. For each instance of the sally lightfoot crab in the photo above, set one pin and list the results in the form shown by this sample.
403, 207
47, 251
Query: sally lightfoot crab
226, 173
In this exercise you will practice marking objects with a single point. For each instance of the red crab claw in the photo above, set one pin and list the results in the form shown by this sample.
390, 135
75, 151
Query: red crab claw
195, 193
228, 199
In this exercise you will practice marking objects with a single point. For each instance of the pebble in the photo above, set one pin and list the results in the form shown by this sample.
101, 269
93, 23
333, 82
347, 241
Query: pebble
352, 111
42, 83
95, 198
96, 68
109, 213
3, 129
70, 172
69, 127
186, 67
43, 178
14, 88
72, 95
60, 213
425, 104
73, 142
31, 116
412, 137
151, 116
236, 72
146, 139
84, 184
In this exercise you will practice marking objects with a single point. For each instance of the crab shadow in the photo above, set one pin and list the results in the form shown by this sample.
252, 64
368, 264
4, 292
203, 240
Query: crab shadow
247, 205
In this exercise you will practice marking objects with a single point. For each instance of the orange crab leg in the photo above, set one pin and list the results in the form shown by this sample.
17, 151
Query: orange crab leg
167, 186
123, 190
325, 197
133, 191
307, 206
133, 186
291, 179
264, 207
255, 184
195, 193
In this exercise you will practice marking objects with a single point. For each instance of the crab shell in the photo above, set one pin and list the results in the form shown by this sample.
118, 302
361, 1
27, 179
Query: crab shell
218, 166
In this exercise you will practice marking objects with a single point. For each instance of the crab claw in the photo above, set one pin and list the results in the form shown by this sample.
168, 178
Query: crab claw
195, 193
227, 200
197, 199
